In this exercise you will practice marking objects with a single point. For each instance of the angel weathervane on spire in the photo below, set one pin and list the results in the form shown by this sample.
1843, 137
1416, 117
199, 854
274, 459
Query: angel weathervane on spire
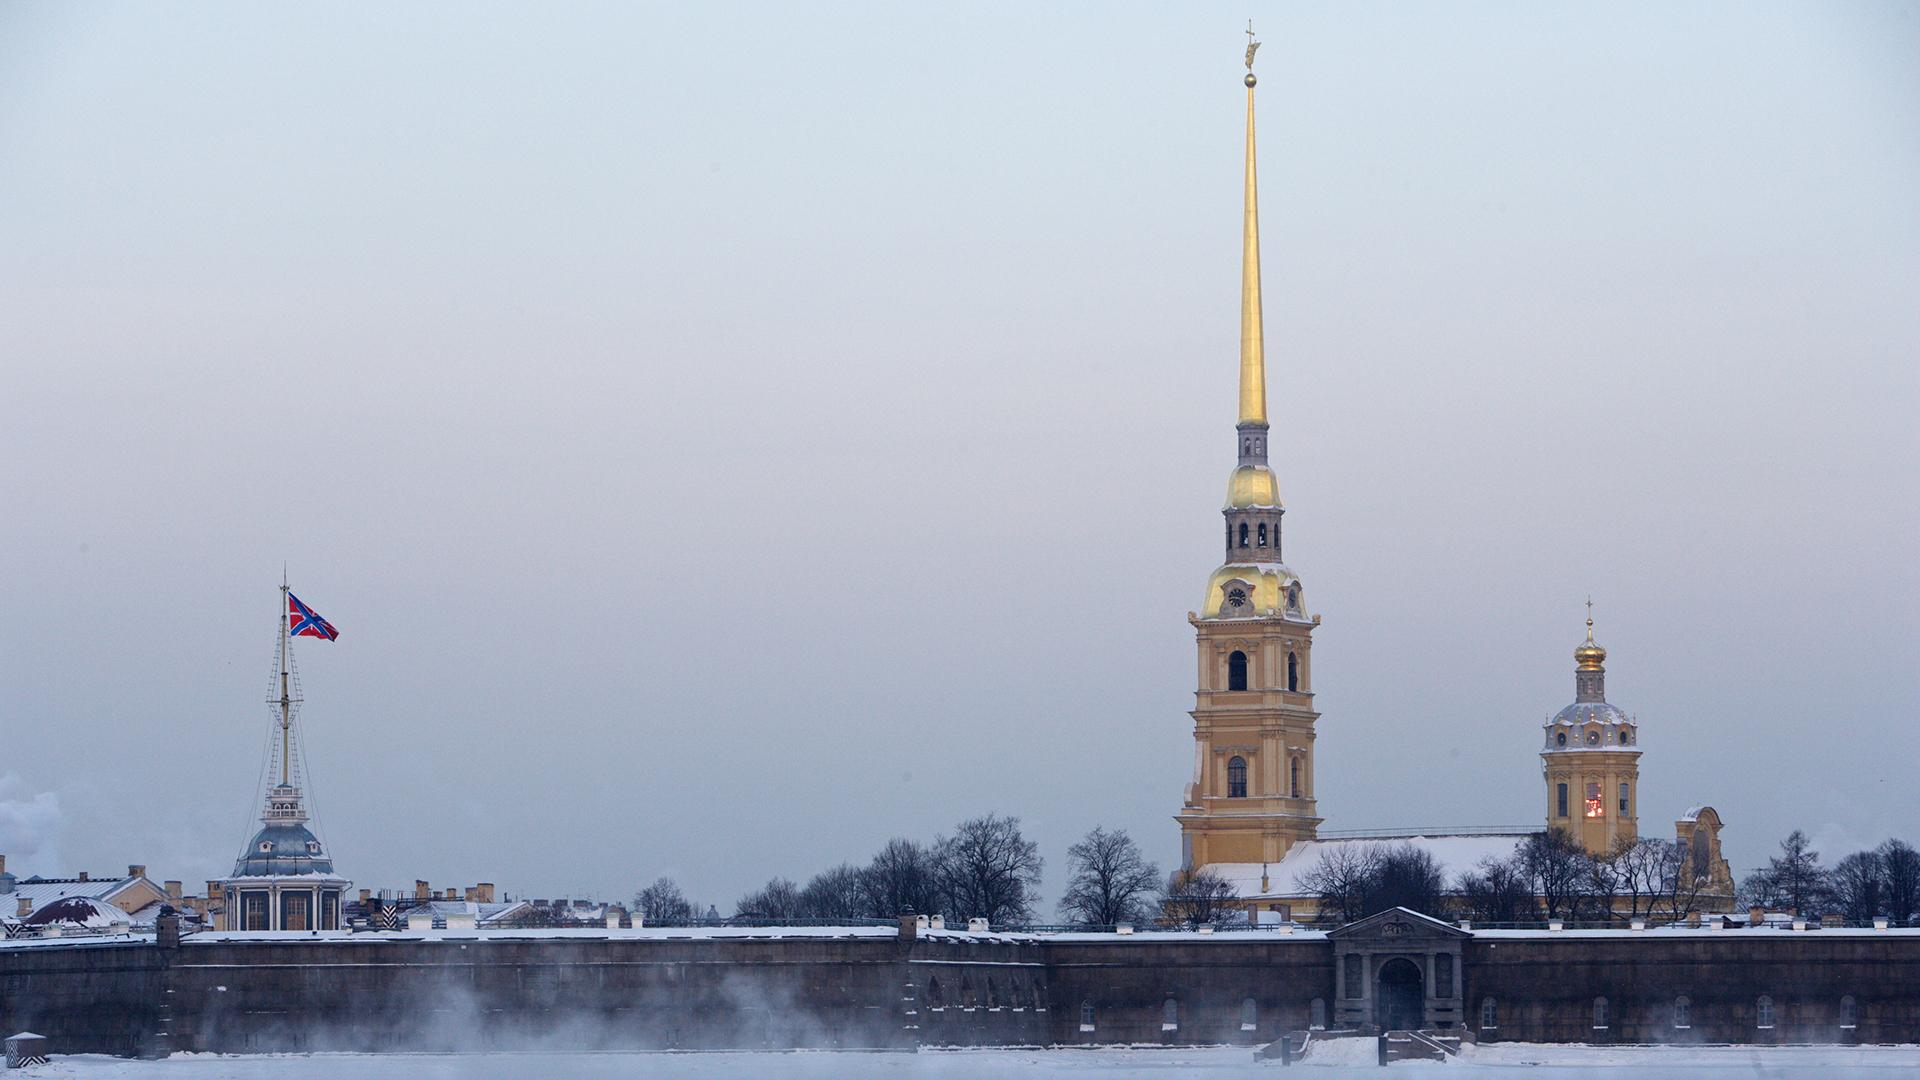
1252, 45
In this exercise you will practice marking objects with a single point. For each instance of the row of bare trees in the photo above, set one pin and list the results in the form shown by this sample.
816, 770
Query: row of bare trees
1548, 876
1878, 882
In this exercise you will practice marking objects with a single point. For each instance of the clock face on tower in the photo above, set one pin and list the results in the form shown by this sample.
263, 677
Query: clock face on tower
1236, 598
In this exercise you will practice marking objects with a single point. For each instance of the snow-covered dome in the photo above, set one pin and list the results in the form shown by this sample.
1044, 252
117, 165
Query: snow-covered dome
282, 849
78, 911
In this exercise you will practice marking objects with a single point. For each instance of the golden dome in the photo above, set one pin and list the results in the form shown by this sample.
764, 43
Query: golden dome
1589, 656
1266, 585
1252, 485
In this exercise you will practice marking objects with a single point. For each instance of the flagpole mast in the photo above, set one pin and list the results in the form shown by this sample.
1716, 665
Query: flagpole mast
286, 696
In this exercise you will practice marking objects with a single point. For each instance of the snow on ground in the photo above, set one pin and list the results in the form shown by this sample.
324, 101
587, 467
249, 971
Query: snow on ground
1520, 1062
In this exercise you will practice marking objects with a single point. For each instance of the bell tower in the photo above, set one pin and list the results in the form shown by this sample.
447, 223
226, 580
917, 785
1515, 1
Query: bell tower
1251, 796
1591, 759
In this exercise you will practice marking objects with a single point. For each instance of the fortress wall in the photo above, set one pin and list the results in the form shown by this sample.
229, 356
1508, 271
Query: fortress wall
1129, 982
627, 990
1544, 986
101, 998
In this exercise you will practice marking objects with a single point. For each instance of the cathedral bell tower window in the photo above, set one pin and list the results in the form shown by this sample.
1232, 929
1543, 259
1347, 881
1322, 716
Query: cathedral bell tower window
1293, 776
1236, 777
1262, 535
1596, 806
1293, 671
1560, 740
1237, 671
1243, 534
1563, 801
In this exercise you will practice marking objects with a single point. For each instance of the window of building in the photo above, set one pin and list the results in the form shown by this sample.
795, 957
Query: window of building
967, 997
934, 998
1682, 1012
1237, 670
1293, 776
1443, 975
1563, 800
1243, 534
1293, 672
1849, 1012
1600, 1014
1763, 1012
1261, 535
294, 911
1293, 590
1623, 800
1317, 1014
1593, 738
1560, 739
1596, 807
1039, 996
1249, 1015
1351, 984
1236, 777
1489, 1015
253, 911
993, 993
1623, 736
1086, 1016
1170, 1016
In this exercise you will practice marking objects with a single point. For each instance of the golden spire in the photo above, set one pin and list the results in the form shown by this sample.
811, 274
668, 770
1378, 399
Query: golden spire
1590, 656
1253, 360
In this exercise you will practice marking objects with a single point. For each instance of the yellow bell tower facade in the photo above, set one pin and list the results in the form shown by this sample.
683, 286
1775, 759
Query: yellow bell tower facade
1251, 796
1591, 760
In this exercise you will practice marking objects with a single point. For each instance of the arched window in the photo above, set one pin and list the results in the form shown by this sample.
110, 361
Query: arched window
1249, 1015
1560, 740
1237, 670
1849, 1012
1317, 1014
1262, 535
1039, 995
1293, 590
967, 997
1489, 1015
934, 998
1243, 534
1293, 776
1763, 1012
1086, 1016
1293, 671
1563, 800
1623, 798
1170, 1016
1623, 736
1682, 1012
1593, 738
993, 993
1236, 777
1600, 1013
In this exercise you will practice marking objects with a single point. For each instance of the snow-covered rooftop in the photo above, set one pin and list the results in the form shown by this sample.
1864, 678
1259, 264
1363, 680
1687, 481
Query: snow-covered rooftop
1456, 855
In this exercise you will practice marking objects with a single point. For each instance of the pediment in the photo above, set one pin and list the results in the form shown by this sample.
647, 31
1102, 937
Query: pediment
1399, 924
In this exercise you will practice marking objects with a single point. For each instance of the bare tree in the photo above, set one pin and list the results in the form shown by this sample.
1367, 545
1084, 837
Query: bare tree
1199, 897
1108, 879
1340, 881
901, 880
1901, 865
835, 894
1406, 876
662, 904
1496, 892
1556, 869
1642, 869
1858, 886
988, 869
779, 899
1791, 880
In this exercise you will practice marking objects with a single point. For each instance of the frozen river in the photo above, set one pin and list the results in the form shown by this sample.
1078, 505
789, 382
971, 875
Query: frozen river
1516, 1061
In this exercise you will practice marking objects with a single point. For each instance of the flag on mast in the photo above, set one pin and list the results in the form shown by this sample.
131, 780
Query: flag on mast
303, 621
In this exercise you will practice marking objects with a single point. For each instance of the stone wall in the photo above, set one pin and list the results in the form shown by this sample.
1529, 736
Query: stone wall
873, 990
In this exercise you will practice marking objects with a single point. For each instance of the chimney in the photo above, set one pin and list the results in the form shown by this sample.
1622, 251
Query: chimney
25, 909
451, 895
136, 870
484, 891
421, 890
173, 891
366, 895
83, 876
470, 894
213, 890
3, 864
1756, 916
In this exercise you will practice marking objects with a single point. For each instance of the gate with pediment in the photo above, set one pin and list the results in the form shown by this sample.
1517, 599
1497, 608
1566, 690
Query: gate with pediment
1397, 969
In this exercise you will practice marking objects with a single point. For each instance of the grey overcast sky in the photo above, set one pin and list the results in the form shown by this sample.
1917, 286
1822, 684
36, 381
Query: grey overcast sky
728, 436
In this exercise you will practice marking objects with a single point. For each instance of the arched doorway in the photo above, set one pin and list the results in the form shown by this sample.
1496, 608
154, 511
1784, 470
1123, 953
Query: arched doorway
1402, 996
